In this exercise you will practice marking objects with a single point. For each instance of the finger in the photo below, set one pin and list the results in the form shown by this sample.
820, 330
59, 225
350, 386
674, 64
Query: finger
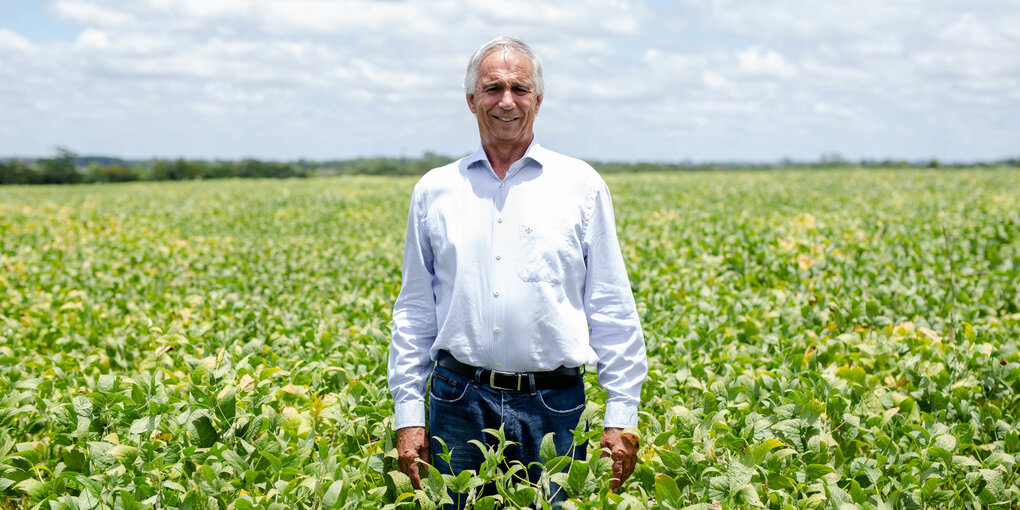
628, 468
413, 475
606, 445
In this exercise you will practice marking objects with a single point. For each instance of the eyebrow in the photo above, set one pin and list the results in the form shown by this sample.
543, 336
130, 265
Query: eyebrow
515, 84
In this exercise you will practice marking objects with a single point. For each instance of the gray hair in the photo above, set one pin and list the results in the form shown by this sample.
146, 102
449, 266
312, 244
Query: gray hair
504, 43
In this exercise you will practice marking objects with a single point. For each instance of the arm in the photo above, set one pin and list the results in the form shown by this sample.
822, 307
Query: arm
414, 330
616, 335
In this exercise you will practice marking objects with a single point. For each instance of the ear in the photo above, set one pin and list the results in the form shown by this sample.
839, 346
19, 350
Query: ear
471, 103
538, 102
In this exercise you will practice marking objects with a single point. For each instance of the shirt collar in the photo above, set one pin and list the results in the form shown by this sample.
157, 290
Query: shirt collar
535, 153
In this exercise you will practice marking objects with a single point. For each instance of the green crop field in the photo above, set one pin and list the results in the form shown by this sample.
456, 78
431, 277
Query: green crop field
817, 339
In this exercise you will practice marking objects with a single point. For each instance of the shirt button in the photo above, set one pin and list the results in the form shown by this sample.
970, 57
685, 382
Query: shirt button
495, 330
499, 220
495, 293
499, 257
497, 365
501, 185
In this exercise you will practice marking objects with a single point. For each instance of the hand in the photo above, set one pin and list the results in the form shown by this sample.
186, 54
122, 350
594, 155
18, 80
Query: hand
412, 444
623, 447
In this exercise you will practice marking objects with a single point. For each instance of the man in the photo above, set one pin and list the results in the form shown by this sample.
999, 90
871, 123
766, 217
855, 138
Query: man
512, 279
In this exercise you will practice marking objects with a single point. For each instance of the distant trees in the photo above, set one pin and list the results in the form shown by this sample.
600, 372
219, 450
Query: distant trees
179, 170
111, 173
65, 167
60, 169
17, 172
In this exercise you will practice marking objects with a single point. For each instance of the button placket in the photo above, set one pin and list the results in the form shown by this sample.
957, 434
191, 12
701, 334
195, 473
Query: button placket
497, 271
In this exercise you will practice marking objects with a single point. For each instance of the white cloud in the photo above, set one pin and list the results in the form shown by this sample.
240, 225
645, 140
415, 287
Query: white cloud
715, 80
92, 39
760, 62
13, 42
710, 79
91, 14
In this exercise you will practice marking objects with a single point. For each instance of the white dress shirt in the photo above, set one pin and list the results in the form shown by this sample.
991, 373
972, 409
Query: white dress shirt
522, 274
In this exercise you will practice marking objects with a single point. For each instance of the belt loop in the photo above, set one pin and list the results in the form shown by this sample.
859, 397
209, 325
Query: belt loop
478, 376
531, 382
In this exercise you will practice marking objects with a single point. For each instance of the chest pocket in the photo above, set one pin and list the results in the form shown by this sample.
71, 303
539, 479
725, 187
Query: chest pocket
542, 254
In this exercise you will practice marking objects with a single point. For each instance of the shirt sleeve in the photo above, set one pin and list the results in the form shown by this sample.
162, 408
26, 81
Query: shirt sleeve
414, 324
615, 329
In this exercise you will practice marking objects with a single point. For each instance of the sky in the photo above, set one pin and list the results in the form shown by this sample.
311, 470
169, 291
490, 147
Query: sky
626, 80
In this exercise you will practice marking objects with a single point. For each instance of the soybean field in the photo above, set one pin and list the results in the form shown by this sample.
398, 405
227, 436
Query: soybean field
829, 339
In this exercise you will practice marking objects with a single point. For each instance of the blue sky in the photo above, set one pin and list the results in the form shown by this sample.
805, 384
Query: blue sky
691, 80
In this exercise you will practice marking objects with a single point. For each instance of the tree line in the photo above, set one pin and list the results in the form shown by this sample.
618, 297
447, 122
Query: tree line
65, 167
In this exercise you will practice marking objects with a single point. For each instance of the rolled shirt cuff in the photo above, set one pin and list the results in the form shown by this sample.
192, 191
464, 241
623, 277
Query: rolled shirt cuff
409, 414
620, 415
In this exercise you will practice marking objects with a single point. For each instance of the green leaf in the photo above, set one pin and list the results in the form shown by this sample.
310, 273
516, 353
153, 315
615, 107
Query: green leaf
547, 450
855, 374
488, 502
123, 453
746, 495
463, 482
332, 495
577, 478
780, 482
993, 483
83, 406
760, 451
398, 483
670, 459
235, 461
945, 441
227, 404
523, 496
35, 489
106, 383
558, 464
739, 474
203, 434
127, 500
871, 308
434, 484
144, 425
888, 415
815, 471
667, 490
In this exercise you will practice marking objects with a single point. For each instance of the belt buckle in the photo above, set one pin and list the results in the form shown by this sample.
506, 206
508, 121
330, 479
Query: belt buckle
492, 380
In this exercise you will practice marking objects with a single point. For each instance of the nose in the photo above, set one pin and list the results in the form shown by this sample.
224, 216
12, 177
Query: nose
506, 100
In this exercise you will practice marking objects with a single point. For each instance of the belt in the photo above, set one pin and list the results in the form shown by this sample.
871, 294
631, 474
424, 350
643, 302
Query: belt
560, 378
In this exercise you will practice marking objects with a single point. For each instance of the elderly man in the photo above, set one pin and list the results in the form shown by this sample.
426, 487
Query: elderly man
512, 280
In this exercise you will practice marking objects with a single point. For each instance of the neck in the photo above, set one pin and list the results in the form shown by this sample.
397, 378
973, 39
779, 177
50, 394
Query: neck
502, 155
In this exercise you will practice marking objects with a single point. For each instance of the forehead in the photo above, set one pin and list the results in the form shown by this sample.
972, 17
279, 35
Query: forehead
502, 64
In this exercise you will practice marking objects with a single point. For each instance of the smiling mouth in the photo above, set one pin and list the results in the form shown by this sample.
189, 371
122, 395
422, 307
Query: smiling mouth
506, 119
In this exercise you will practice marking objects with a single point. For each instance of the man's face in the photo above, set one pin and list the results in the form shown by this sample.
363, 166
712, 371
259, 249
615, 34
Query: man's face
505, 100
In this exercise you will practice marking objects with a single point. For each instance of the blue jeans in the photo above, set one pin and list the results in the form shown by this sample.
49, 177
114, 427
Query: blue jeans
459, 408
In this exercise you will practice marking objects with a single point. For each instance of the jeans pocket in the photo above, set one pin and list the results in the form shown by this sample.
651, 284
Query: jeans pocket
446, 389
563, 401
